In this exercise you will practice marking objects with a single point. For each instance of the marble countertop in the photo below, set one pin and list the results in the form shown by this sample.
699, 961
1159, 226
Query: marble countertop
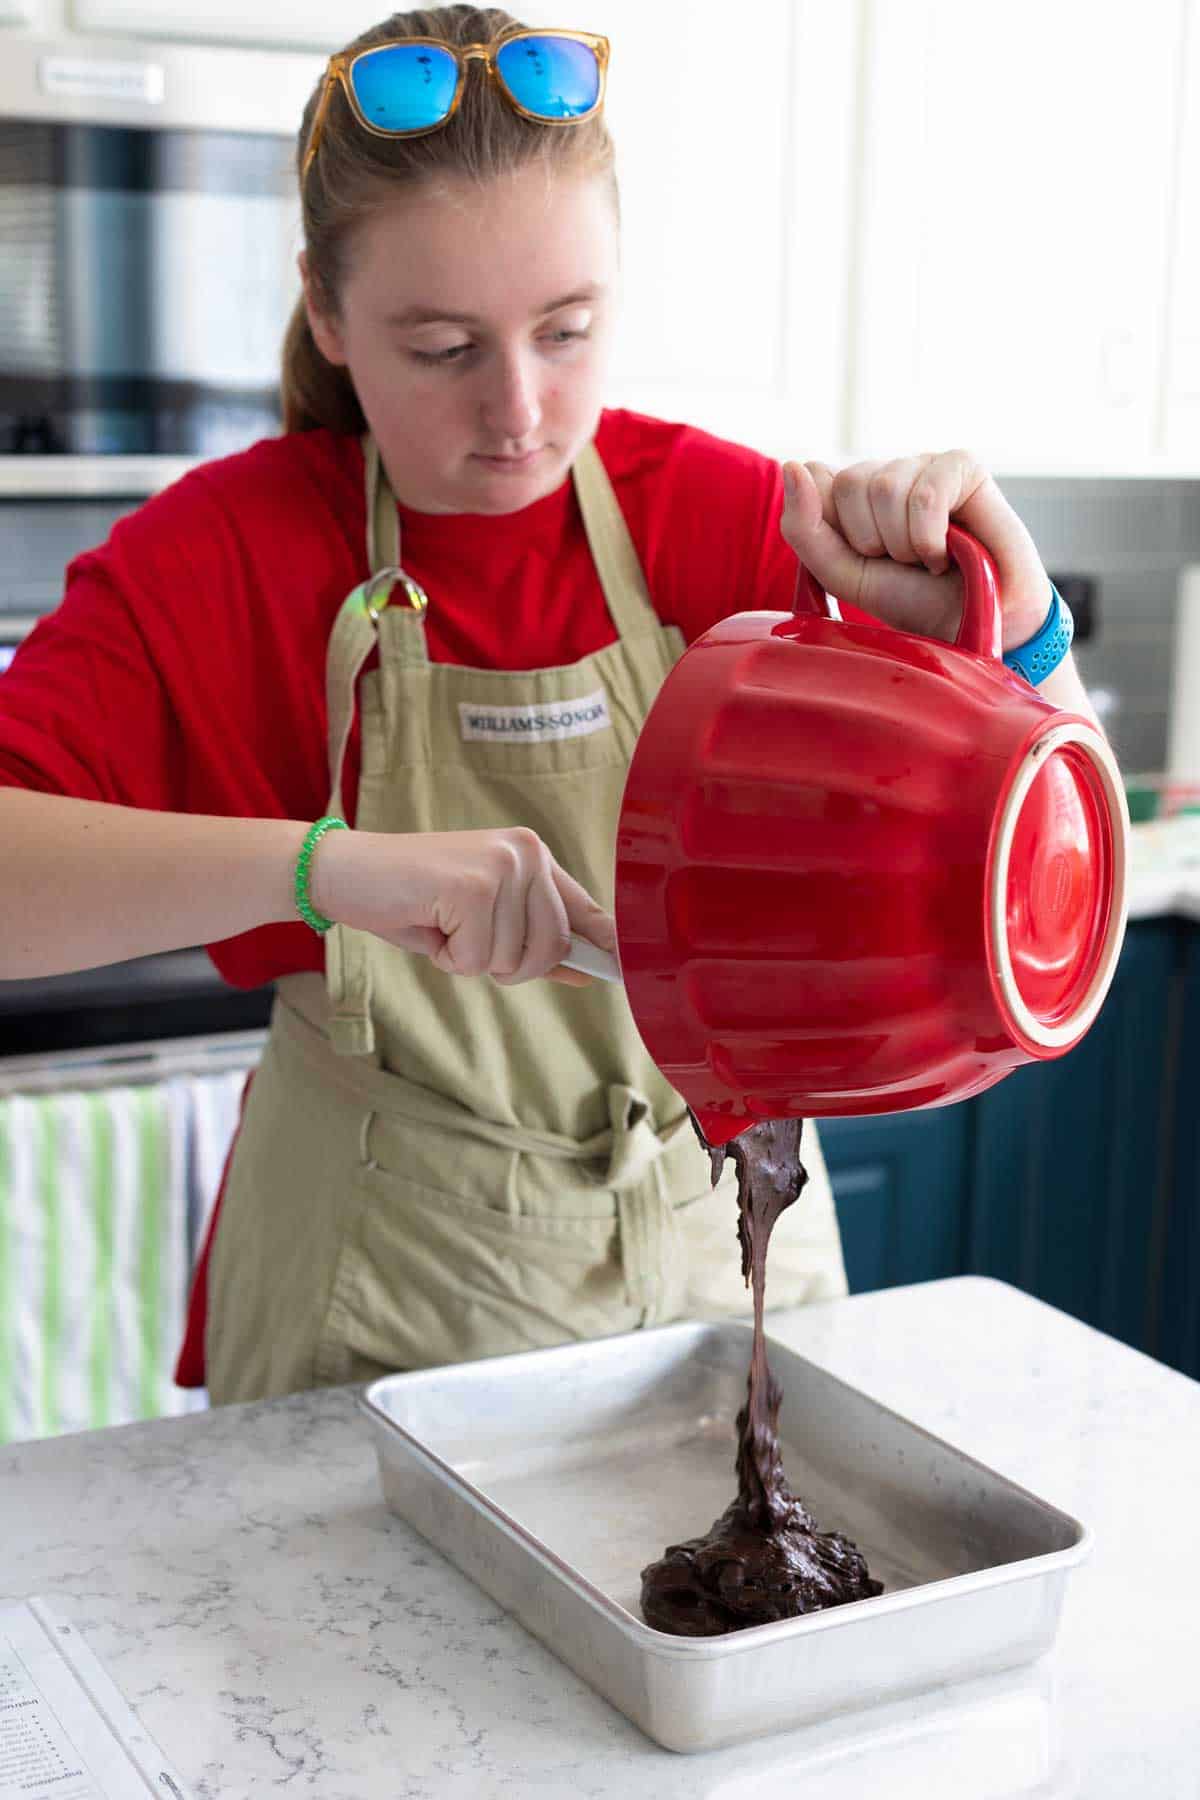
278, 1631
1164, 868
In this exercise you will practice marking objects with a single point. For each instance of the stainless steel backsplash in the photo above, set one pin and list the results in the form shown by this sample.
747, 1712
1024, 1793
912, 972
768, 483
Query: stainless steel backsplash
1134, 537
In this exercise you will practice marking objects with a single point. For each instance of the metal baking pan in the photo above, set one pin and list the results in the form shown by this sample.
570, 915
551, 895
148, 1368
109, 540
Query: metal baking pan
552, 1477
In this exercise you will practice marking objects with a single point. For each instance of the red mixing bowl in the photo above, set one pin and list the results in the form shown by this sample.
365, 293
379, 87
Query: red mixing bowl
863, 871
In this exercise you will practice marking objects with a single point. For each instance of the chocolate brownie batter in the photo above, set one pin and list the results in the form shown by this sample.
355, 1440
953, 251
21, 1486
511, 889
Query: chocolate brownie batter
764, 1558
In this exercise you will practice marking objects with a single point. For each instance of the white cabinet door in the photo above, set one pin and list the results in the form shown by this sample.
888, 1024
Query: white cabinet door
1014, 229
733, 154
296, 24
1181, 387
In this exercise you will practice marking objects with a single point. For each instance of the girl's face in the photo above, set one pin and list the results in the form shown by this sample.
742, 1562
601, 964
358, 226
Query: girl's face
475, 324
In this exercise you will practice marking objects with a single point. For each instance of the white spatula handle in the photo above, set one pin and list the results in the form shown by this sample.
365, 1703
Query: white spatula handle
591, 960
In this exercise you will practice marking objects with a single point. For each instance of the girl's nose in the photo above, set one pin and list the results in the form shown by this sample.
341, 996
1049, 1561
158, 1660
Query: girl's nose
511, 409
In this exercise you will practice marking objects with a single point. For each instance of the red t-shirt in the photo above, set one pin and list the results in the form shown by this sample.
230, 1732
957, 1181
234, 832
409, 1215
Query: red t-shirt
184, 670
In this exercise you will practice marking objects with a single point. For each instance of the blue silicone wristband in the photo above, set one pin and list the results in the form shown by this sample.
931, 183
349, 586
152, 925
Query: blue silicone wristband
1041, 654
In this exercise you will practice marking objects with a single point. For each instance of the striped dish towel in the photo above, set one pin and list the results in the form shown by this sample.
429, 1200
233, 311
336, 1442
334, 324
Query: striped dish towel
104, 1196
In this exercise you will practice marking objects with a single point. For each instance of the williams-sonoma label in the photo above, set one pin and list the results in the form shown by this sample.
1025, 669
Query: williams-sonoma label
542, 724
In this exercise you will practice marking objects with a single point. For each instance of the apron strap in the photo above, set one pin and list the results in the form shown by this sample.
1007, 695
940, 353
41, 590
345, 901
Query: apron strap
350, 644
613, 550
383, 518
347, 962
354, 636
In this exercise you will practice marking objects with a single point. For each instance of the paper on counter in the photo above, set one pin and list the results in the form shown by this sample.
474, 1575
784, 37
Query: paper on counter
65, 1731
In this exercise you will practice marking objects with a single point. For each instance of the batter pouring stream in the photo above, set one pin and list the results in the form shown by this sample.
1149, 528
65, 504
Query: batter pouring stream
764, 1558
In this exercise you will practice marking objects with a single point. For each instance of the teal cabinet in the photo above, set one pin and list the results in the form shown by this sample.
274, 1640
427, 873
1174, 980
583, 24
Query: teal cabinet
899, 1182
1177, 1337
1068, 1171
1077, 1180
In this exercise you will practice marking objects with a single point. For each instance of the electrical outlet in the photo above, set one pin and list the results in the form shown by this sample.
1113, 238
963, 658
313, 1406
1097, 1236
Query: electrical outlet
1082, 595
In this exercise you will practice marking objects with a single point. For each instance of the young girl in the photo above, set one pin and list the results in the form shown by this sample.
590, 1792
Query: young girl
453, 1146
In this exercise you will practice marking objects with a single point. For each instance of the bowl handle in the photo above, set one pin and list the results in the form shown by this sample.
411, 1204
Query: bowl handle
980, 627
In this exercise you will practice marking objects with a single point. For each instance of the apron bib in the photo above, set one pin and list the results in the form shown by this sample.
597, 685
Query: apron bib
432, 1168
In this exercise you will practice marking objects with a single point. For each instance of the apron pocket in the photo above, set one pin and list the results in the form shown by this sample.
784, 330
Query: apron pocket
528, 1188
527, 1254
426, 1277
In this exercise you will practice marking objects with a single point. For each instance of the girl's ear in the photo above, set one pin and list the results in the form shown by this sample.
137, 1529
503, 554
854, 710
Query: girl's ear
326, 332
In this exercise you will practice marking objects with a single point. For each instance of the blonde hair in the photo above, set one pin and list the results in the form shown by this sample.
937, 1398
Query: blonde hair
355, 173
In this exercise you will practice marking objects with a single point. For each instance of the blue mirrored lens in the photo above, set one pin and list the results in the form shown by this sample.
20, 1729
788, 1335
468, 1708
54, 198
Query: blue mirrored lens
555, 77
406, 87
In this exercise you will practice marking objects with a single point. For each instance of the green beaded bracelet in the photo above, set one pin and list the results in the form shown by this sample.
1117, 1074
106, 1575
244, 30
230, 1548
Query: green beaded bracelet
312, 838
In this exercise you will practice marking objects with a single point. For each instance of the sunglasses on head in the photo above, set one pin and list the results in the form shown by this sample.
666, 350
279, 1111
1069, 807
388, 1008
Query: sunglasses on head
413, 86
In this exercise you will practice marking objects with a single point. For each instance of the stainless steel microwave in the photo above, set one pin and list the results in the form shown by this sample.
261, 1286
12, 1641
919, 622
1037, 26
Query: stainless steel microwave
149, 227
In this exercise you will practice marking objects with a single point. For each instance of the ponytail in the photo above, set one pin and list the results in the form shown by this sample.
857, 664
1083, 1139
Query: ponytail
315, 392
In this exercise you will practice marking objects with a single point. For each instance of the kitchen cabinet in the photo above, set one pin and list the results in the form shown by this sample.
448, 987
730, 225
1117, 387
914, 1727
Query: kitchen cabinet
1178, 1334
900, 1183
1181, 385
735, 154
1016, 230
1069, 1157
1075, 1180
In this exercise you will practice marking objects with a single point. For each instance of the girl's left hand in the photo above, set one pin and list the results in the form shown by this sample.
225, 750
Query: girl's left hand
874, 535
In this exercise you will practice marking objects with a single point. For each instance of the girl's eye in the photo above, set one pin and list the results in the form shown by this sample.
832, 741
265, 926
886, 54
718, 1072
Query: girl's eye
453, 353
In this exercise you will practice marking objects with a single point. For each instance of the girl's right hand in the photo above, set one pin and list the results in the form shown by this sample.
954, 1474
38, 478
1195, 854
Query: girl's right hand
475, 902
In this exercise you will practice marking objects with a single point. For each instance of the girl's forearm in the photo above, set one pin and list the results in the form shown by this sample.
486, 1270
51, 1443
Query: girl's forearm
1065, 688
83, 883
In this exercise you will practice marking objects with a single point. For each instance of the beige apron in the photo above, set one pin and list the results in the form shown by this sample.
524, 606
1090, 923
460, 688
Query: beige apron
431, 1167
